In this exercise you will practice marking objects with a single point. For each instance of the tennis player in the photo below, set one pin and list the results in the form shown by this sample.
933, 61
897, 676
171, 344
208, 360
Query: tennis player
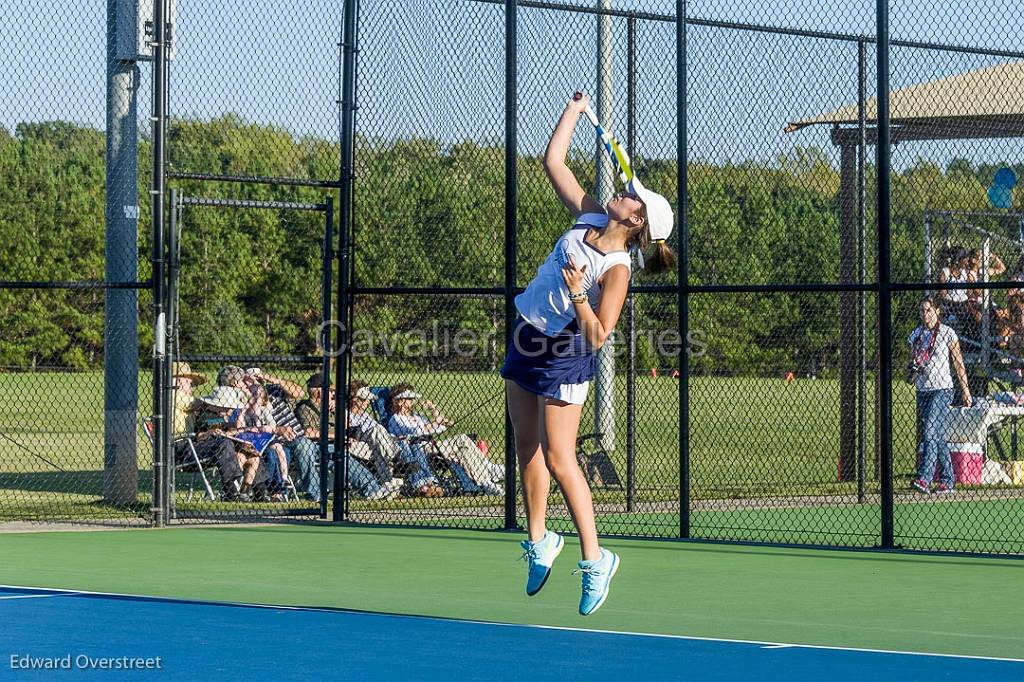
566, 313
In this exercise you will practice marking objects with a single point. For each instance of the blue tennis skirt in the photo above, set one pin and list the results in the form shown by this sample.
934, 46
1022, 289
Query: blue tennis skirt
541, 364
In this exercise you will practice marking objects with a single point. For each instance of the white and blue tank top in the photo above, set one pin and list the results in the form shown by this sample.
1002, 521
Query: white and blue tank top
545, 303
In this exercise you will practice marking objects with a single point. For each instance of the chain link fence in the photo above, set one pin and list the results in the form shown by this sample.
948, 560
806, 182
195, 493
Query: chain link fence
253, 156
782, 441
794, 424
72, 298
247, 286
955, 224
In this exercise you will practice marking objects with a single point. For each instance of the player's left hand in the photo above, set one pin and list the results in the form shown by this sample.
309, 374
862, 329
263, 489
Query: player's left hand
573, 276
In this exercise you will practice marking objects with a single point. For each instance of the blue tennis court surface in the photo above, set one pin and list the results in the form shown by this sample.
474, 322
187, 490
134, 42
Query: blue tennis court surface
202, 640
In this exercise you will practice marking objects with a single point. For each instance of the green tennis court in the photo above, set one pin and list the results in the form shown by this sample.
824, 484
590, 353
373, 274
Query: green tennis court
884, 601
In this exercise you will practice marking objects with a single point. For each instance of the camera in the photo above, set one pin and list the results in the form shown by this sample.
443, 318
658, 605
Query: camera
914, 369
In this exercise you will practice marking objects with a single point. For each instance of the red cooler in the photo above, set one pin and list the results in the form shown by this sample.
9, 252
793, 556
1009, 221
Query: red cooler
968, 462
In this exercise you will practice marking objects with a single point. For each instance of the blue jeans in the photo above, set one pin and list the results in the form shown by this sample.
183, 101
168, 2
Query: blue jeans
275, 477
467, 485
933, 414
306, 455
359, 477
415, 455
419, 457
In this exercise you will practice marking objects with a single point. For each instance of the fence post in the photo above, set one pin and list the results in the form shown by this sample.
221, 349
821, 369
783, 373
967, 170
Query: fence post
604, 187
171, 308
882, 162
349, 39
326, 348
683, 270
631, 300
862, 320
161, 410
511, 202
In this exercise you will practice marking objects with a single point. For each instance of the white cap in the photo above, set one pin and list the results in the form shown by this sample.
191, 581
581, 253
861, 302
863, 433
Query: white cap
227, 397
659, 213
407, 394
365, 393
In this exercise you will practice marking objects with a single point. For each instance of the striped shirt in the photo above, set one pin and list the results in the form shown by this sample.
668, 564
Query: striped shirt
284, 415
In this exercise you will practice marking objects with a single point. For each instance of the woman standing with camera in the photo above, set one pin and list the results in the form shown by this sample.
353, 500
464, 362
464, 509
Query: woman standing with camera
933, 346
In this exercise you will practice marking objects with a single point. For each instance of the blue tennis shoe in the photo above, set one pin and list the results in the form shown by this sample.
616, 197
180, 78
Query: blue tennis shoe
597, 578
540, 556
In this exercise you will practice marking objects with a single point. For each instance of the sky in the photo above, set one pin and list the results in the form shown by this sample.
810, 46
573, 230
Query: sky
436, 68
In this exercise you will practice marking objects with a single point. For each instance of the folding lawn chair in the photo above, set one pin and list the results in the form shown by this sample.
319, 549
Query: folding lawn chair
192, 465
597, 466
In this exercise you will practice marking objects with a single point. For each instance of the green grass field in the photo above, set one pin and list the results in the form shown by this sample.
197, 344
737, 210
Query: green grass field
763, 463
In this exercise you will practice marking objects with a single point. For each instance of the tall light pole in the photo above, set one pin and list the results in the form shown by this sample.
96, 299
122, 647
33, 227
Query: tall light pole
604, 385
121, 214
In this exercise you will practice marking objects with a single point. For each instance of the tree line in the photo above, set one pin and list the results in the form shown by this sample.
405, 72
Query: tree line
431, 215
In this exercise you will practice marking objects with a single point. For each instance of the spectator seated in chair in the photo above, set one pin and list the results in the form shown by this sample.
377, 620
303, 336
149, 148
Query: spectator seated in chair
259, 416
300, 452
461, 450
980, 273
218, 416
955, 302
1017, 275
359, 477
370, 442
303, 453
214, 447
1009, 324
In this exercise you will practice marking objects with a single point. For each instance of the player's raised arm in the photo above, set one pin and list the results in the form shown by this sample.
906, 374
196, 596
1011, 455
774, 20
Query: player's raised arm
567, 187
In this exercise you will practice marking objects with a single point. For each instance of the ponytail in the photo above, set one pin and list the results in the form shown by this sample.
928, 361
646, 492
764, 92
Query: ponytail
662, 259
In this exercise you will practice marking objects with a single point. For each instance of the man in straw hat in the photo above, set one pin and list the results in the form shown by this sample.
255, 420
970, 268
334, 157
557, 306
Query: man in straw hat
218, 448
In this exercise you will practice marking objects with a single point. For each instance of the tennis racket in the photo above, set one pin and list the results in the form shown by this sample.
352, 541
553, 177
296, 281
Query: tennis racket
611, 144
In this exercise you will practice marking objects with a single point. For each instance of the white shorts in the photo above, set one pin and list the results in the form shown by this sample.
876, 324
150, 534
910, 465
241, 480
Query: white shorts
575, 394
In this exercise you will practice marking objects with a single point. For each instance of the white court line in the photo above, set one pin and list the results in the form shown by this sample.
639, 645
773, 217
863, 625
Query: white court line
563, 628
39, 596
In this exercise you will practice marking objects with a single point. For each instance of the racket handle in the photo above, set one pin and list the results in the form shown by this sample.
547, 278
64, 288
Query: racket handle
577, 96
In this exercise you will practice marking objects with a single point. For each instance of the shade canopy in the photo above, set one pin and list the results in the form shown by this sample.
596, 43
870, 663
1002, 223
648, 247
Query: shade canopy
985, 103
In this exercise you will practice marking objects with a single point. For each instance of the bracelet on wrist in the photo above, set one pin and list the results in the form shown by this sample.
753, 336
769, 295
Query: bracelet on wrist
578, 297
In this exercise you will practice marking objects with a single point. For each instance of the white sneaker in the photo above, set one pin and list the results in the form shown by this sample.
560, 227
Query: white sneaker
387, 491
492, 489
